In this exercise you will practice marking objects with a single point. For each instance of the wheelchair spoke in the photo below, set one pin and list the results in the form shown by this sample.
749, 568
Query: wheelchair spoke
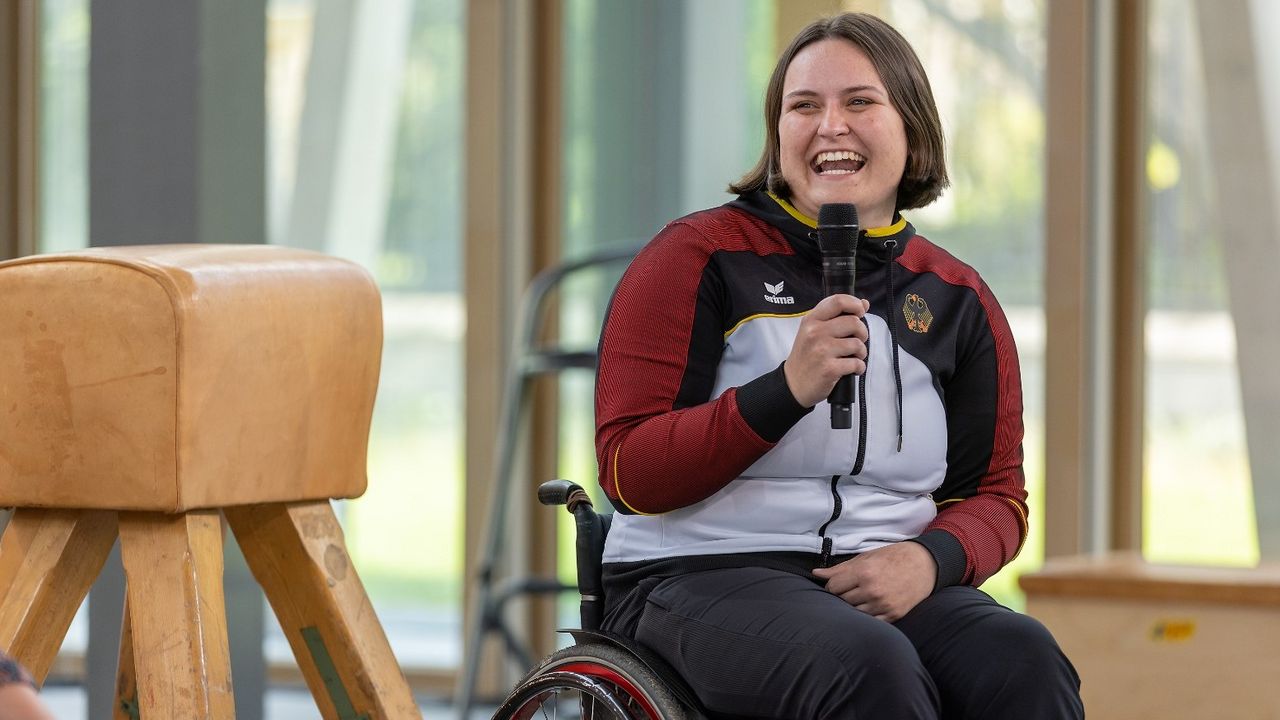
597, 683
580, 704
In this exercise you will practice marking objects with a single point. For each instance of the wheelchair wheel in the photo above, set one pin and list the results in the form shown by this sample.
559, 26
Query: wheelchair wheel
591, 682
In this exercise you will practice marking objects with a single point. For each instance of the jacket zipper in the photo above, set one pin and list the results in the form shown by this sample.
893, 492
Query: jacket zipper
835, 513
857, 461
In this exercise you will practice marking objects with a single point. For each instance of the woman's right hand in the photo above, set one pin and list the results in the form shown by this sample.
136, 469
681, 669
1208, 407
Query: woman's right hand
831, 343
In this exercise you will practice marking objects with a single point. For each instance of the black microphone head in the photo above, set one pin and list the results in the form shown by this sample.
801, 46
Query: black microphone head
837, 228
838, 214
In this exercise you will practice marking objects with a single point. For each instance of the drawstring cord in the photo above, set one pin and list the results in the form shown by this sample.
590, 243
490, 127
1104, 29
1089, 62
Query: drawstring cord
893, 336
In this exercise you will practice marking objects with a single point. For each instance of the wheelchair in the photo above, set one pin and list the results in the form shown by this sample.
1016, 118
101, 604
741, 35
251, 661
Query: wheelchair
601, 676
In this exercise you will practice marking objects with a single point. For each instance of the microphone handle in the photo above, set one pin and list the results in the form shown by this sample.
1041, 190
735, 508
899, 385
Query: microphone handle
841, 400
838, 271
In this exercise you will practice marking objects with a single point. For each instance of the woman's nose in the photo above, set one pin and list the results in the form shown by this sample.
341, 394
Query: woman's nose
834, 122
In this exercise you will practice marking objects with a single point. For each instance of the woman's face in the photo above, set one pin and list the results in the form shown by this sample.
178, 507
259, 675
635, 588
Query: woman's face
840, 138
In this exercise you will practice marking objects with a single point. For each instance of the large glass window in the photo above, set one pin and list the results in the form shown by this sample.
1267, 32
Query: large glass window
365, 103
364, 142
64, 114
1197, 497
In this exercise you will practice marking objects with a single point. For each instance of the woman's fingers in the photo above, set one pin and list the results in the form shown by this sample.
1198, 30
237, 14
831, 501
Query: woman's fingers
836, 305
848, 326
830, 343
849, 347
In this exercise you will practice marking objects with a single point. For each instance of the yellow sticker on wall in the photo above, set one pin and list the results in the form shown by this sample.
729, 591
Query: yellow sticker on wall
1173, 630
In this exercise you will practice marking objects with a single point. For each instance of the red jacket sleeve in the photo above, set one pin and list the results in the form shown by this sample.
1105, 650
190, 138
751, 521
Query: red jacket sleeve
988, 518
661, 442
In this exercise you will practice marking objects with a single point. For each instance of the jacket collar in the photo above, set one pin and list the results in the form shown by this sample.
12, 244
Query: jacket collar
800, 229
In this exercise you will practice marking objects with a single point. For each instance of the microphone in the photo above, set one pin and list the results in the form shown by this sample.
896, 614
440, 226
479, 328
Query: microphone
838, 241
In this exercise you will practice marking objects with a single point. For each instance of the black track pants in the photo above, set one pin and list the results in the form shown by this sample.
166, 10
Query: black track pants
764, 643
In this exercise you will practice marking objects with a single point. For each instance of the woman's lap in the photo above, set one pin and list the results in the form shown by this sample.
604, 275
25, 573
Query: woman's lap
759, 642
756, 642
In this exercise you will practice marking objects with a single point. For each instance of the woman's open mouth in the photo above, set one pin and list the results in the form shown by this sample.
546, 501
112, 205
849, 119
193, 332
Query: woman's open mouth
838, 162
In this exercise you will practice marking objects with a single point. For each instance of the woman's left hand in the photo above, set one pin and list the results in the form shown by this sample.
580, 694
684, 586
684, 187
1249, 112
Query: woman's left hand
886, 582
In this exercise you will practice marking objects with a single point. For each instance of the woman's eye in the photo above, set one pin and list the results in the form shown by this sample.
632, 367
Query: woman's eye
803, 105
859, 101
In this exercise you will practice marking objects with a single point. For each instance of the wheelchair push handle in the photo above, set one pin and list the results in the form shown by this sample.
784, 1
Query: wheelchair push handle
591, 530
563, 492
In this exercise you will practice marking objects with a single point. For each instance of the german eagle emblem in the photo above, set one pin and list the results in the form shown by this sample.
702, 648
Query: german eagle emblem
916, 311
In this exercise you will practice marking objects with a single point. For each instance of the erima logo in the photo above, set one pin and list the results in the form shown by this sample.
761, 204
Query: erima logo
772, 297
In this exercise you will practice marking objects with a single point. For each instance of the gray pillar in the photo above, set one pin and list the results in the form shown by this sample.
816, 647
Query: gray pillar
176, 155
176, 122
639, 110
106, 611
670, 110
1248, 217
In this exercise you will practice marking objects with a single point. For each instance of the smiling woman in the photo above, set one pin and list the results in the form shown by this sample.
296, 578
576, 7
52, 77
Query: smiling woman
865, 543
840, 142
828, 94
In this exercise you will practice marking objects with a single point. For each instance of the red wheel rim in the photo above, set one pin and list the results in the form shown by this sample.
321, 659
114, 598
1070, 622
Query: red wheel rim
607, 673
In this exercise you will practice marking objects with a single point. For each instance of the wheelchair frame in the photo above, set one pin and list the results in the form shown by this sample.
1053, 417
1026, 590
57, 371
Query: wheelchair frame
612, 676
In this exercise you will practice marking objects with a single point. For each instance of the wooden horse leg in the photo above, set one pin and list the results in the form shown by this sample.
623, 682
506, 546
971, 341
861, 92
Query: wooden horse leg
173, 565
297, 553
126, 706
48, 560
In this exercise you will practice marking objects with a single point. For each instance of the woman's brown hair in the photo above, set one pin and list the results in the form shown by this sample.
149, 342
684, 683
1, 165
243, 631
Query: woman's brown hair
925, 175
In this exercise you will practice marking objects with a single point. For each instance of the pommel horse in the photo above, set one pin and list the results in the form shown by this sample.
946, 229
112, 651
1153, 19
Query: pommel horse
160, 394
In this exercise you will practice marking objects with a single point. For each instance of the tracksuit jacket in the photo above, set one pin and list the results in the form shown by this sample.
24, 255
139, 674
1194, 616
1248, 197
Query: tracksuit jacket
704, 452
